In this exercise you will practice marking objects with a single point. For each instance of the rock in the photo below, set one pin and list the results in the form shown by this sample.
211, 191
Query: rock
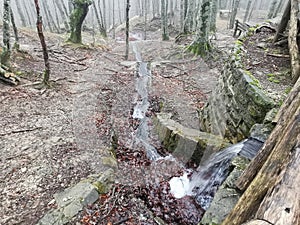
226, 197
71, 201
184, 143
128, 64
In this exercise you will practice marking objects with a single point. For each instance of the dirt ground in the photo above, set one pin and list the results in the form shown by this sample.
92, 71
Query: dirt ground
52, 138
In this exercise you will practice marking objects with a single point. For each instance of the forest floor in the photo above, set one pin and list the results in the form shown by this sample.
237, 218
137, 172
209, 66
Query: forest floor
51, 138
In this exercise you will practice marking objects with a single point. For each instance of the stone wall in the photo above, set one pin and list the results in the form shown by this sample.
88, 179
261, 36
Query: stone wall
237, 103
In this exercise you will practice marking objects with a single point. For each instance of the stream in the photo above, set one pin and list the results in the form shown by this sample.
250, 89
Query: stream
202, 183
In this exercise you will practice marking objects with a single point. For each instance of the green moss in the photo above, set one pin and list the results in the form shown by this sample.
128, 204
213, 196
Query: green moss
254, 81
274, 80
287, 90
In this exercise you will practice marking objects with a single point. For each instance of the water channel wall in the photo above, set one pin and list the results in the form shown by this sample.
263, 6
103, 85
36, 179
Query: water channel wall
237, 103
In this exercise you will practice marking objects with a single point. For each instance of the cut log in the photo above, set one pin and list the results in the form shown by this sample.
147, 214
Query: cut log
292, 40
282, 205
279, 145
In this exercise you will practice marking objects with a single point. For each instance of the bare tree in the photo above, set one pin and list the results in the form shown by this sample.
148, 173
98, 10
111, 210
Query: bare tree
127, 29
233, 13
21, 14
15, 29
6, 50
272, 9
164, 20
39, 26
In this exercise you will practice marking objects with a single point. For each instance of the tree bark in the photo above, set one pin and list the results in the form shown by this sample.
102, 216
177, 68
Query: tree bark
247, 11
39, 26
282, 205
280, 146
20, 12
127, 29
164, 21
6, 49
272, 9
233, 13
292, 40
81, 8
12, 18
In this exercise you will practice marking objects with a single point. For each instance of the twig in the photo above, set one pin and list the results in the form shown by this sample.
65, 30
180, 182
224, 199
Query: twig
112, 70
79, 70
20, 131
114, 202
278, 55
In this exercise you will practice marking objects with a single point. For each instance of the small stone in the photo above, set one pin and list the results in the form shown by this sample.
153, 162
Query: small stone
23, 170
51, 202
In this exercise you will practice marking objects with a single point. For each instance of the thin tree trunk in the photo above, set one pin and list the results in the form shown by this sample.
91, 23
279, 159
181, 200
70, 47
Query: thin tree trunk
278, 9
99, 21
292, 40
284, 21
247, 11
39, 27
6, 50
16, 44
164, 21
63, 13
113, 20
272, 9
251, 11
56, 16
21, 14
145, 19
27, 13
127, 29
233, 13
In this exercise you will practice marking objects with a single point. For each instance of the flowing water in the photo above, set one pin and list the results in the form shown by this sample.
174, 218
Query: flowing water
142, 105
205, 180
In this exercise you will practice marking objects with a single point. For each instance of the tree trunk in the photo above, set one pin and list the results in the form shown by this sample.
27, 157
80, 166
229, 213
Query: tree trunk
233, 13
145, 18
282, 205
39, 26
6, 50
247, 11
164, 21
63, 13
278, 151
284, 21
213, 20
20, 12
201, 44
292, 40
25, 6
272, 9
127, 29
99, 21
278, 9
16, 44
81, 8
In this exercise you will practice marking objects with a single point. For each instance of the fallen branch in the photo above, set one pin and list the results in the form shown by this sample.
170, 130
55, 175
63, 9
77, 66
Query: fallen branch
278, 55
112, 70
20, 131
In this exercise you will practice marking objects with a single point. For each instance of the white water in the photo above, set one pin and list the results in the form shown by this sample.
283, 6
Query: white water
206, 178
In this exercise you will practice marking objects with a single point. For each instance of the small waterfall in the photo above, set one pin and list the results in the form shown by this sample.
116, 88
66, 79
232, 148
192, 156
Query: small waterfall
204, 182
142, 105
